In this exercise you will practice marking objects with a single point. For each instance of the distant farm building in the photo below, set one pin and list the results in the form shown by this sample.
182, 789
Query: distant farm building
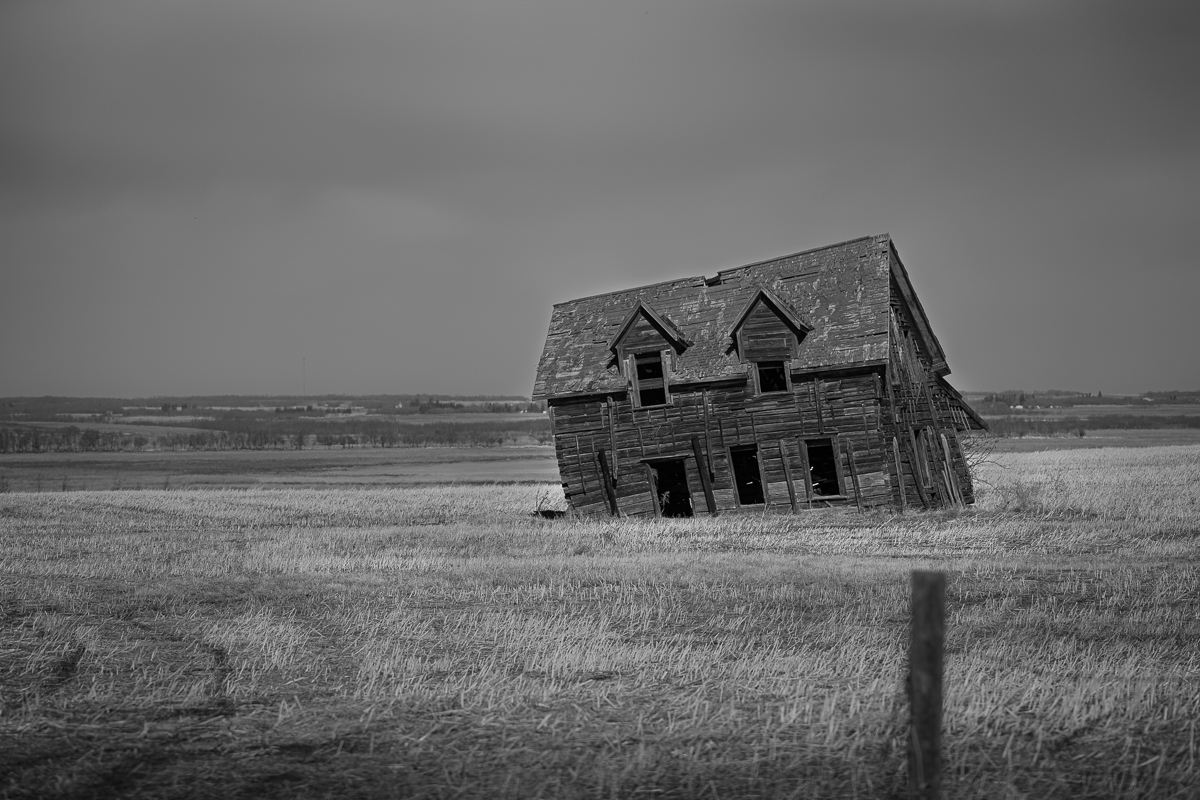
809, 380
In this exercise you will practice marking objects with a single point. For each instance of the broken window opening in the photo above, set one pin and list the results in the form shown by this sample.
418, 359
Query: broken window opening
651, 382
822, 467
746, 475
772, 376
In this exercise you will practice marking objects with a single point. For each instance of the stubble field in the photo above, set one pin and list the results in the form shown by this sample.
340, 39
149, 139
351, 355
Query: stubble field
445, 642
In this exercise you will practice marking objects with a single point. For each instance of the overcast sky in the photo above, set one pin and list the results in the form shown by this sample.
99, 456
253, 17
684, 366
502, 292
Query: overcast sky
388, 197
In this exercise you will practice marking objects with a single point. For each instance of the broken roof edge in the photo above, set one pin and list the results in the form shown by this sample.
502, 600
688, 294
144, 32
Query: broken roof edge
963, 404
631, 290
879, 237
701, 279
898, 271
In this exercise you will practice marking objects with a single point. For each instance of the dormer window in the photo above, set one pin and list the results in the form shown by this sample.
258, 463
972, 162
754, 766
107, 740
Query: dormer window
767, 331
767, 336
650, 382
644, 346
772, 376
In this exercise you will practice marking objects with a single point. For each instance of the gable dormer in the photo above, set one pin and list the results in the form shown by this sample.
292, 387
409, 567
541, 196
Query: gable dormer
644, 346
766, 336
645, 330
767, 329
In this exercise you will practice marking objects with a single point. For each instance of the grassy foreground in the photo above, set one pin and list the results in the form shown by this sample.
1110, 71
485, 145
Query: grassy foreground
443, 642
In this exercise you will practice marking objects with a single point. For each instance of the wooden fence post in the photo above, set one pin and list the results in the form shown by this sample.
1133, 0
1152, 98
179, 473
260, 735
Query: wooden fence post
925, 659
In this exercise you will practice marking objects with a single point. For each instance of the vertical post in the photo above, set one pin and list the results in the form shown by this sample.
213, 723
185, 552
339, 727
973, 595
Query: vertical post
787, 474
951, 477
817, 399
707, 439
899, 474
762, 473
579, 466
653, 491
807, 469
854, 476
937, 475
606, 478
925, 660
919, 468
612, 439
705, 478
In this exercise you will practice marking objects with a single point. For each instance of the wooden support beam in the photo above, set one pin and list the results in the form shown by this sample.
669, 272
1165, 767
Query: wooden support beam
705, 481
950, 474
816, 384
606, 479
899, 474
653, 491
807, 467
910, 444
579, 466
612, 441
937, 470
836, 441
762, 475
854, 477
707, 439
787, 474
925, 666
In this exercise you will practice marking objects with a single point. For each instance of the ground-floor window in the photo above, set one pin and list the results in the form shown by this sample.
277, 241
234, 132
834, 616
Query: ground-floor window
746, 475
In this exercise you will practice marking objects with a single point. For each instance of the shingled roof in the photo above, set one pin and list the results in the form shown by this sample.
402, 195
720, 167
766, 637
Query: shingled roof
842, 291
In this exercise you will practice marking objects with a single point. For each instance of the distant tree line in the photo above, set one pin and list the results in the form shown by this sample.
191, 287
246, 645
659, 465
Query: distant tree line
1059, 426
279, 434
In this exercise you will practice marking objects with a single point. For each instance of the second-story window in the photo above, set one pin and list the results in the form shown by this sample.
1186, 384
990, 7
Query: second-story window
772, 376
651, 381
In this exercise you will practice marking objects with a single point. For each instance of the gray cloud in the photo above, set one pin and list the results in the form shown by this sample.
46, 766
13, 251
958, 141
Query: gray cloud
261, 182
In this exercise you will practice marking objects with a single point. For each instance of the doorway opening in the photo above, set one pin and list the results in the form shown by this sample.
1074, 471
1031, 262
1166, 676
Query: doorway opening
822, 461
671, 486
746, 475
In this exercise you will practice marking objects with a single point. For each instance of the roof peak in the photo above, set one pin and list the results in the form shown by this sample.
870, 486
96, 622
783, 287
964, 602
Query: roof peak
879, 237
714, 281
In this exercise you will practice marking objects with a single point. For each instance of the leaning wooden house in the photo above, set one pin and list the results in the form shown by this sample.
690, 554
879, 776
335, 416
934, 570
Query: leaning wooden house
809, 380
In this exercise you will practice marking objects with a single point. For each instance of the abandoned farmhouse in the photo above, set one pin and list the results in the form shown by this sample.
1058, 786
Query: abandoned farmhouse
809, 380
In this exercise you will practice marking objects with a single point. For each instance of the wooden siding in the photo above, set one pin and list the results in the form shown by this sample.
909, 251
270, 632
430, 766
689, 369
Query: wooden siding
921, 412
845, 410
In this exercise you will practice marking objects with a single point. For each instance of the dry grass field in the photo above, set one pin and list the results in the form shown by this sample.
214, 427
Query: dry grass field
244, 469
445, 642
